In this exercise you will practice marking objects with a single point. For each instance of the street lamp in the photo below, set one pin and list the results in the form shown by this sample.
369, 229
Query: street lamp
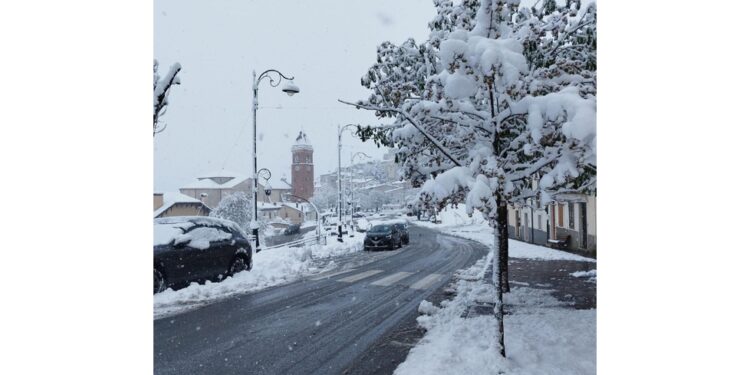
351, 189
340, 131
290, 88
266, 175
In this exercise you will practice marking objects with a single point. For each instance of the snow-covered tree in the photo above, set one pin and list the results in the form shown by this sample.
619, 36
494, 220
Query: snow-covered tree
375, 170
161, 91
497, 97
325, 197
238, 207
373, 200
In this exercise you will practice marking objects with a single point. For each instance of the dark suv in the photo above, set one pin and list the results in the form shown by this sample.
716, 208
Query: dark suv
383, 236
404, 232
196, 249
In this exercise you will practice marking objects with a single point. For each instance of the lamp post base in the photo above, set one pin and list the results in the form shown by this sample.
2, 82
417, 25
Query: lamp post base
257, 240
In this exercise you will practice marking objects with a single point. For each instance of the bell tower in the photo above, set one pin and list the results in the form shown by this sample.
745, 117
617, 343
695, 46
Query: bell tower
302, 167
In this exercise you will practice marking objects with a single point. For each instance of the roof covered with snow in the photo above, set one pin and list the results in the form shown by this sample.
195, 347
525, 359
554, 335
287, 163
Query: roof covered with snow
222, 179
172, 198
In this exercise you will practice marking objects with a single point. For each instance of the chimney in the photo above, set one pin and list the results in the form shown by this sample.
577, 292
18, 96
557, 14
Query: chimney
158, 200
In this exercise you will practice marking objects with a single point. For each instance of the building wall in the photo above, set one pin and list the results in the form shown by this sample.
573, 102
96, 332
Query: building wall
214, 196
185, 209
288, 213
559, 222
329, 180
158, 200
576, 234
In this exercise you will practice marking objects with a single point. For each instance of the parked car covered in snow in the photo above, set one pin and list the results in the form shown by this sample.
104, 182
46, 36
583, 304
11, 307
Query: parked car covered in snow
382, 236
362, 225
198, 248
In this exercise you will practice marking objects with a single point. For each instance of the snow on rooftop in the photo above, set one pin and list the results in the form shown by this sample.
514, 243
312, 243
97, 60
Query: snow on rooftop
171, 198
222, 179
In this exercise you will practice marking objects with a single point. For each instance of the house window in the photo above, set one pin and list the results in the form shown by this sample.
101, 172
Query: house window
559, 215
571, 215
539, 221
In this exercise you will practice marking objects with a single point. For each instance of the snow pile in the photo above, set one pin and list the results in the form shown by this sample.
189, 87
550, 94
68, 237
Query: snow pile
543, 335
457, 222
270, 268
525, 250
591, 275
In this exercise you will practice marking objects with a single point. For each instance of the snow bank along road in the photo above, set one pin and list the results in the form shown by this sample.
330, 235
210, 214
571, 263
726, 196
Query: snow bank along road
318, 325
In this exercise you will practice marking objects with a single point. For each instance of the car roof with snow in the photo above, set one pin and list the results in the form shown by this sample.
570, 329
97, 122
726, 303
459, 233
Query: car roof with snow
389, 222
179, 229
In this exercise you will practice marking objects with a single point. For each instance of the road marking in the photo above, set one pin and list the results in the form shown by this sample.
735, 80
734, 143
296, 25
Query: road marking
426, 281
389, 280
329, 275
360, 276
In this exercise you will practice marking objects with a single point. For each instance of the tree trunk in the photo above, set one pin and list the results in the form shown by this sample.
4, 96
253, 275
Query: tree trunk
501, 266
502, 240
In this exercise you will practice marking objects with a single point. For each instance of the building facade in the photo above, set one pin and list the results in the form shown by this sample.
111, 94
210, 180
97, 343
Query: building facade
571, 217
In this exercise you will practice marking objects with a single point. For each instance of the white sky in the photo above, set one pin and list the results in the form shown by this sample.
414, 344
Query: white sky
327, 45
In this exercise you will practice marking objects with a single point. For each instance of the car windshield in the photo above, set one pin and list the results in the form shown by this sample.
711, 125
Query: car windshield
381, 228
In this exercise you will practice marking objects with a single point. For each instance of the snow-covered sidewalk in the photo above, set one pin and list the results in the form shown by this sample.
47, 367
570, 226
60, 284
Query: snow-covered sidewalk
270, 268
542, 335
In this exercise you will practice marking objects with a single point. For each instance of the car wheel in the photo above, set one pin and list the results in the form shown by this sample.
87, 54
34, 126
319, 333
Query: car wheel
239, 264
160, 283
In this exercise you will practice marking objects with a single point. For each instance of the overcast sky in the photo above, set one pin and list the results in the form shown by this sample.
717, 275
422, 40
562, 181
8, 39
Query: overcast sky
327, 45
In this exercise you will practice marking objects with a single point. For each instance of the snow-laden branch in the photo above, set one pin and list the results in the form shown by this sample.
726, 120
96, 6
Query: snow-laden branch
161, 91
411, 120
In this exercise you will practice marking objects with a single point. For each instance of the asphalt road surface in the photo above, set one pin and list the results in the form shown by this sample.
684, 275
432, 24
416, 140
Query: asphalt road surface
325, 324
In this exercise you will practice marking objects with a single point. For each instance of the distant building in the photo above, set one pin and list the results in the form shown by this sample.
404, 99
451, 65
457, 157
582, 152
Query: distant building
177, 204
212, 187
303, 172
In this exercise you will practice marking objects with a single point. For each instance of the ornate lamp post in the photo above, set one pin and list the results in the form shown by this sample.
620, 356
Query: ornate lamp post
290, 88
351, 189
341, 131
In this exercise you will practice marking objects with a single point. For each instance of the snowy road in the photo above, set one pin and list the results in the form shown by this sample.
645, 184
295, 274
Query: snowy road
318, 325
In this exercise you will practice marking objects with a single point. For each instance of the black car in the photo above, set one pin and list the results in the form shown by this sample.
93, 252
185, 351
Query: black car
196, 249
404, 232
292, 229
382, 236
